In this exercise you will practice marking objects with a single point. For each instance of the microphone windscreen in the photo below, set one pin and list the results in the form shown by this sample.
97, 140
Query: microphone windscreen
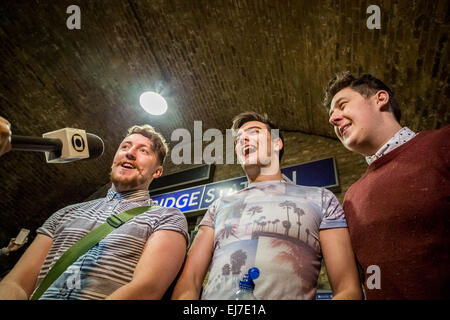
95, 145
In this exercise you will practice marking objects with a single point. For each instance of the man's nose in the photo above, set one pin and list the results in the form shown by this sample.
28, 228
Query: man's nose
131, 153
243, 139
335, 117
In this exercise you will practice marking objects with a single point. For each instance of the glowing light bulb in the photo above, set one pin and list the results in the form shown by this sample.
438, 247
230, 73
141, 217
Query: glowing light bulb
153, 103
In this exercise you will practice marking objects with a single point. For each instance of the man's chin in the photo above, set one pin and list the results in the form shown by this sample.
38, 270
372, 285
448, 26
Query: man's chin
124, 184
353, 147
252, 164
249, 160
121, 187
248, 163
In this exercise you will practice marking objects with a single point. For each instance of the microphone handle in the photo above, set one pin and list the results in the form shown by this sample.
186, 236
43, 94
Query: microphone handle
25, 143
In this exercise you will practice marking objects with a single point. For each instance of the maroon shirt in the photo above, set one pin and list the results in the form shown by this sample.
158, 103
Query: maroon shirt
398, 219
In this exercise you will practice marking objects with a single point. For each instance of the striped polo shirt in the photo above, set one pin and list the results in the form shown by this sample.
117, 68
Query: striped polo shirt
110, 264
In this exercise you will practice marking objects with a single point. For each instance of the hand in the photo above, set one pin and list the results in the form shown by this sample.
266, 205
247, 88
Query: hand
5, 136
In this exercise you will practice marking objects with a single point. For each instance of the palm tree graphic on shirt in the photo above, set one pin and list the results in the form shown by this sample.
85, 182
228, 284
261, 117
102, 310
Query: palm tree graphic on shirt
251, 212
299, 213
286, 223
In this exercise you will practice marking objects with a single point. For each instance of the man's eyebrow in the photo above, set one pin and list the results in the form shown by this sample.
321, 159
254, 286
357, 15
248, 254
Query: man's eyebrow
254, 127
138, 144
150, 146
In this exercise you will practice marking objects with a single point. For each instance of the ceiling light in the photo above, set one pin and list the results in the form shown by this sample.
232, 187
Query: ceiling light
153, 103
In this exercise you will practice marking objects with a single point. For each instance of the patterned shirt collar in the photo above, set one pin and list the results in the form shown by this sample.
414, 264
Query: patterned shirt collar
402, 136
263, 183
136, 195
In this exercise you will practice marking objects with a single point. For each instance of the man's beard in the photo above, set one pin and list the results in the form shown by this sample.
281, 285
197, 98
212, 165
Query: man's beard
127, 183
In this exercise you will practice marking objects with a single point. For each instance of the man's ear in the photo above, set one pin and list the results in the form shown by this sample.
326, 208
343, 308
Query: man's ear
279, 145
382, 100
158, 172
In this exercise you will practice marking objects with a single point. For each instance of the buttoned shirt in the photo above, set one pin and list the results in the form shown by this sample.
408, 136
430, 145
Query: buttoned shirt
402, 136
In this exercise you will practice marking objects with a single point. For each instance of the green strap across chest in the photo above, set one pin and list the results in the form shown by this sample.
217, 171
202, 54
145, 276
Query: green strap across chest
84, 244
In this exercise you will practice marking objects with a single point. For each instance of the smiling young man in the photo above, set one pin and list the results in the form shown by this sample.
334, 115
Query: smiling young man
397, 212
138, 260
278, 227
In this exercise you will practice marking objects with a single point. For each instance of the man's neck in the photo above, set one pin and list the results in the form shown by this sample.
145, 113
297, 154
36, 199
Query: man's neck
258, 174
383, 134
122, 190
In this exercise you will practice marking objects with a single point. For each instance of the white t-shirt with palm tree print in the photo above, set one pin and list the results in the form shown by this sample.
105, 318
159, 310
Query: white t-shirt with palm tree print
274, 226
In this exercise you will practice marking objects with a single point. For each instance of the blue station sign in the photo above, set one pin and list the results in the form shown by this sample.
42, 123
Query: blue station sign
320, 173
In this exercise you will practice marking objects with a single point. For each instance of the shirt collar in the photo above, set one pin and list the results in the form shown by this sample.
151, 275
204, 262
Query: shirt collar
402, 136
136, 195
264, 183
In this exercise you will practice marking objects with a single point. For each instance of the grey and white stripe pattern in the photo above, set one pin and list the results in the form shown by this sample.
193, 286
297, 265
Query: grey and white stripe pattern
111, 263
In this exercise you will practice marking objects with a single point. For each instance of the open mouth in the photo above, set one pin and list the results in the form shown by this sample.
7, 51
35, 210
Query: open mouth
127, 165
343, 129
248, 150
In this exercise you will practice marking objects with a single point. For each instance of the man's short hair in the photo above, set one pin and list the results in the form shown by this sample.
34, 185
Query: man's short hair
159, 143
242, 118
366, 85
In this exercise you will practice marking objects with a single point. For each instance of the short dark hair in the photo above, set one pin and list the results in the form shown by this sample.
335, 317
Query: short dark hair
244, 117
158, 141
366, 85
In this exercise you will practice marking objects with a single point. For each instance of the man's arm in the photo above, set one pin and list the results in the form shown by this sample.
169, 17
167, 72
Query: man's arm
158, 266
190, 282
340, 263
21, 280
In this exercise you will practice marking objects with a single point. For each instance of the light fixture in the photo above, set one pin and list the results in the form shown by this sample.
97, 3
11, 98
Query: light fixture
153, 103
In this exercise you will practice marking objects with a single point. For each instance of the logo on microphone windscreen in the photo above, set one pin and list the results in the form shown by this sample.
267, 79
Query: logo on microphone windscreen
78, 142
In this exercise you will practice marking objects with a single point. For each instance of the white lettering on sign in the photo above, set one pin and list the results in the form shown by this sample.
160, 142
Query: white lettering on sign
193, 198
182, 201
210, 194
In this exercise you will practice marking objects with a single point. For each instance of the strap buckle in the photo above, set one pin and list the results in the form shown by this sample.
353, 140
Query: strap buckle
114, 221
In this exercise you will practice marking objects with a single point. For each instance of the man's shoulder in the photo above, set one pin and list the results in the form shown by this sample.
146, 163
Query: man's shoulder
440, 135
165, 212
443, 130
303, 188
426, 147
81, 205
311, 192
234, 196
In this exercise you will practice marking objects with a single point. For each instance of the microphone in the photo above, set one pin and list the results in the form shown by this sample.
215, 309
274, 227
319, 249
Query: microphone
61, 146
